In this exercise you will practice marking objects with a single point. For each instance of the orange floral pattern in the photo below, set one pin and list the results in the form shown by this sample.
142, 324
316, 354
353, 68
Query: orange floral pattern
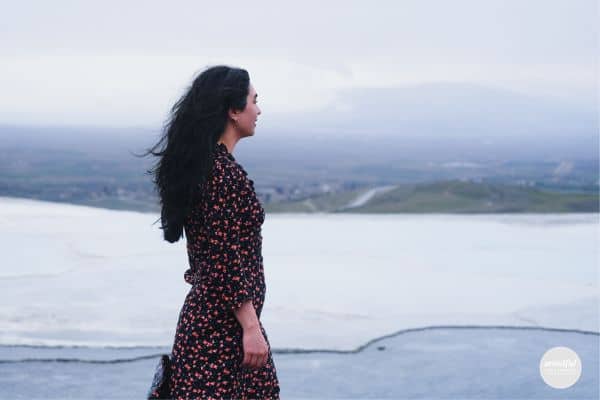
224, 244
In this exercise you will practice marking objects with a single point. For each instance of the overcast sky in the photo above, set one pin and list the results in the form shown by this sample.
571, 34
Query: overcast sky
124, 63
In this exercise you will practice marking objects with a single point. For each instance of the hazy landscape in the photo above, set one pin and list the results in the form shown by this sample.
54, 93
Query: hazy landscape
381, 151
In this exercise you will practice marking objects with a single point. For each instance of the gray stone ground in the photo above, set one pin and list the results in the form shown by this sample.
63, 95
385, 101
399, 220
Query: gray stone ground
437, 363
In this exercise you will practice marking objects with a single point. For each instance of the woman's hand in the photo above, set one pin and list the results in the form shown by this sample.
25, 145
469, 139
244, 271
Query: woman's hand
256, 351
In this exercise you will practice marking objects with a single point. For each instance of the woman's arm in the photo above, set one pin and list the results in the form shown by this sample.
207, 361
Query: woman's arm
256, 351
230, 275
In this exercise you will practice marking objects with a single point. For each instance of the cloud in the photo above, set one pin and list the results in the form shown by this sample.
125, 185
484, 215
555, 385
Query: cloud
115, 63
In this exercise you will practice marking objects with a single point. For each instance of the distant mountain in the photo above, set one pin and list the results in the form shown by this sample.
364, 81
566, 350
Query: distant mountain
444, 109
457, 119
443, 121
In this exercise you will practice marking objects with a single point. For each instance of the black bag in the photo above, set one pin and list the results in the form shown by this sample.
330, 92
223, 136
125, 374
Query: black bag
160, 388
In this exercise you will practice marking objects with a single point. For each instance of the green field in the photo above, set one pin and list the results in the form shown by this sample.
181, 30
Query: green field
449, 197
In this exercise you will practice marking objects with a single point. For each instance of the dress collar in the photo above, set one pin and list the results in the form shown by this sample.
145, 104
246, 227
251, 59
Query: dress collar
222, 149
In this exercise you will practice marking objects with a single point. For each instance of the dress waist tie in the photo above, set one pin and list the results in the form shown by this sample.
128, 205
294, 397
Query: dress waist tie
193, 275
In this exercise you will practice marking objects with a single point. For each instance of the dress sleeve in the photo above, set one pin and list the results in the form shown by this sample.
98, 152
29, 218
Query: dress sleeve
229, 272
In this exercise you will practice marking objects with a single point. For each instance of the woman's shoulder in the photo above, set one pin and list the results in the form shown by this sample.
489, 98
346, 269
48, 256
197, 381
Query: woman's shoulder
227, 173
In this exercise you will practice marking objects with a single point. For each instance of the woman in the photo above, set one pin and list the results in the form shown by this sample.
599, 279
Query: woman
221, 349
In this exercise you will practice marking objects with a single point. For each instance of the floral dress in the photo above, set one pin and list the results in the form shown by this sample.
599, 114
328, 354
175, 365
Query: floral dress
223, 233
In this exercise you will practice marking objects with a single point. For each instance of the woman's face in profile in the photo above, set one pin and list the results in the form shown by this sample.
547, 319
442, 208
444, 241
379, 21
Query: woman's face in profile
247, 118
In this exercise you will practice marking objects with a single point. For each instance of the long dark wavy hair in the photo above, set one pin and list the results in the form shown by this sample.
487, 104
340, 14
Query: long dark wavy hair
185, 150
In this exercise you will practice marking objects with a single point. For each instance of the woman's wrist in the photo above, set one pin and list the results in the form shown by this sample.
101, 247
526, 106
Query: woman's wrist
250, 327
246, 316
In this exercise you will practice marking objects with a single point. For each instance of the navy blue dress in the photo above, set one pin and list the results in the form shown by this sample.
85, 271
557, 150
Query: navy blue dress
224, 245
